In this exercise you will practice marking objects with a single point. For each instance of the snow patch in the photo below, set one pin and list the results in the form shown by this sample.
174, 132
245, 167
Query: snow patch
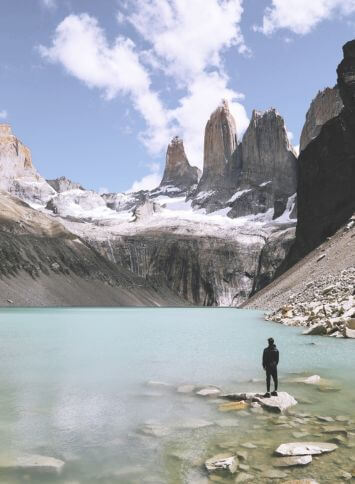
285, 217
238, 194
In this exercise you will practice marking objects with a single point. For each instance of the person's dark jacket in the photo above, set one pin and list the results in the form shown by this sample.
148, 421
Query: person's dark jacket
270, 357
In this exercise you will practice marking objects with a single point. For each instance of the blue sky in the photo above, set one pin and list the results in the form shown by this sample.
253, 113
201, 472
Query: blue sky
96, 89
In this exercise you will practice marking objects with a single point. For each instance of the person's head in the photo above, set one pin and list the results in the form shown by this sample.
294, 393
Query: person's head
271, 341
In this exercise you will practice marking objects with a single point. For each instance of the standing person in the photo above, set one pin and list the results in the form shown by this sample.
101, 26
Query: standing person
270, 361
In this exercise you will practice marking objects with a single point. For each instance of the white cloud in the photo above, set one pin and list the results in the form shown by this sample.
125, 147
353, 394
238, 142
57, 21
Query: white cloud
188, 36
148, 182
184, 40
187, 39
297, 149
80, 45
301, 16
3, 114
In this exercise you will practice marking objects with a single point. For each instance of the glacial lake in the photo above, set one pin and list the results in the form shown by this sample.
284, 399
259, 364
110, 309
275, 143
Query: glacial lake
74, 386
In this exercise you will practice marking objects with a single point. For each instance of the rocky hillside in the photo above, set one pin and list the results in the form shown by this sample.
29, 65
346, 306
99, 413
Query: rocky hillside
317, 292
43, 264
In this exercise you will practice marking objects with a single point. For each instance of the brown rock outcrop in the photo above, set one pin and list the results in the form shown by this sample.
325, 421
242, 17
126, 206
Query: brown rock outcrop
17, 173
219, 149
178, 171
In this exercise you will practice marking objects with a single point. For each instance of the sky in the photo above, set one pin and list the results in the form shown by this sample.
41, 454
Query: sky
97, 88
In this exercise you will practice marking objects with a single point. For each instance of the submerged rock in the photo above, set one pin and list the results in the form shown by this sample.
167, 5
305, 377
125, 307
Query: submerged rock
244, 477
305, 448
208, 392
38, 463
225, 462
297, 460
232, 406
301, 481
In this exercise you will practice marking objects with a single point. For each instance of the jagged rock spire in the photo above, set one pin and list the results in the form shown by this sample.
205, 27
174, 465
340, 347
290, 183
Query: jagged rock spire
219, 147
267, 153
178, 171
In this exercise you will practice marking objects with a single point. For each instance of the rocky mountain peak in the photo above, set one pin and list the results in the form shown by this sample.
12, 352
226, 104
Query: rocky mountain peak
267, 153
178, 171
17, 173
220, 145
5, 130
326, 105
346, 76
63, 184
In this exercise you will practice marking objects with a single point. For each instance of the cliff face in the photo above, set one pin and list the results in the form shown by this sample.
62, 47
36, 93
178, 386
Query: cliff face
17, 173
268, 163
267, 154
220, 144
327, 170
44, 264
326, 105
178, 172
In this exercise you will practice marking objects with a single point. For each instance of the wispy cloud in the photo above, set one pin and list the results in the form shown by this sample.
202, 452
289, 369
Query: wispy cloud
301, 16
3, 114
183, 40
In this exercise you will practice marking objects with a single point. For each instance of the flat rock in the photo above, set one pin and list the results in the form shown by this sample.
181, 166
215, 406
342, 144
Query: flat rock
324, 419
312, 380
296, 460
305, 448
194, 423
222, 462
329, 429
227, 422
154, 429
40, 463
208, 392
280, 403
274, 474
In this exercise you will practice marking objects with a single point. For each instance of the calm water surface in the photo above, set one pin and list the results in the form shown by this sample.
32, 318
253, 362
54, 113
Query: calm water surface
74, 386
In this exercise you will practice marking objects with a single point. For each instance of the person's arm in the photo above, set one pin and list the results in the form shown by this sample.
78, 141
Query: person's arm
277, 357
264, 359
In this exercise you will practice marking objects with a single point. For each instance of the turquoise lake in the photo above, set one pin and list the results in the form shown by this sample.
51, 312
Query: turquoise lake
74, 385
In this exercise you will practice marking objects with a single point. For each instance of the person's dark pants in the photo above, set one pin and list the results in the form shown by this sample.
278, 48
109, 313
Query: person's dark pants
271, 372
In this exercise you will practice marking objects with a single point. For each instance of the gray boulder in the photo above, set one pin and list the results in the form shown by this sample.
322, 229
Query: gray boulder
222, 462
